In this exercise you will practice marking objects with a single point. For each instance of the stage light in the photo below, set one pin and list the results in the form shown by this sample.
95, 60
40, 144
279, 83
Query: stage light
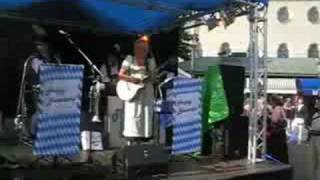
212, 23
219, 19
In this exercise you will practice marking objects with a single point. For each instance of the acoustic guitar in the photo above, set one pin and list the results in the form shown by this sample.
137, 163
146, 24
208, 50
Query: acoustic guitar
127, 91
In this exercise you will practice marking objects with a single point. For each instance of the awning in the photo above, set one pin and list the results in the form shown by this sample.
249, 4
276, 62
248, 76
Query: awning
310, 86
120, 16
278, 86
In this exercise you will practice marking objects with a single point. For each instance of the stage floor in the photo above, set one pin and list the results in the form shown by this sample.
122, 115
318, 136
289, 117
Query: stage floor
18, 161
236, 169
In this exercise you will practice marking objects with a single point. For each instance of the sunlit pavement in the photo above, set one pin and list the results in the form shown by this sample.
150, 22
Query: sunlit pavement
300, 159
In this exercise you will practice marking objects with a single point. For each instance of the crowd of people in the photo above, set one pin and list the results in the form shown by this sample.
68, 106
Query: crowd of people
288, 118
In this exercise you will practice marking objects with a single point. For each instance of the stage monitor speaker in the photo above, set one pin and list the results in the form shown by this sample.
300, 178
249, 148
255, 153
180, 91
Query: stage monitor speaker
140, 161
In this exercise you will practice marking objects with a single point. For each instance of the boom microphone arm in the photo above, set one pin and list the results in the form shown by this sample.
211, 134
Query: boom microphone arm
92, 66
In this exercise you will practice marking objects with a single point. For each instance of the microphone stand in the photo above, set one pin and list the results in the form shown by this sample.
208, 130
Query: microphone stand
86, 58
97, 78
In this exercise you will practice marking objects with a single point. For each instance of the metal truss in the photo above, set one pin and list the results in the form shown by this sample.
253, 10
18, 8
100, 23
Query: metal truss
258, 84
258, 54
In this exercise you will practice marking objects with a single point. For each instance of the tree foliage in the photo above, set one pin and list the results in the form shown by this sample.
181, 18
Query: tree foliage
184, 46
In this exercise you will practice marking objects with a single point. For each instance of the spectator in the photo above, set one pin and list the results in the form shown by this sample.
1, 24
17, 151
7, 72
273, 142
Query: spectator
246, 107
289, 109
300, 116
276, 139
315, 142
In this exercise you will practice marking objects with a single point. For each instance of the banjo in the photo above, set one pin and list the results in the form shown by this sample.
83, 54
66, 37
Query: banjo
127, 91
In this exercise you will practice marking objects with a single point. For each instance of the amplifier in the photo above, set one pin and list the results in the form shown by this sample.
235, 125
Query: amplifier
142, 160
114, 122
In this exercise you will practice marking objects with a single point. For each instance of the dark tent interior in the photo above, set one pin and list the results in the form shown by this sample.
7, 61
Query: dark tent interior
16, 45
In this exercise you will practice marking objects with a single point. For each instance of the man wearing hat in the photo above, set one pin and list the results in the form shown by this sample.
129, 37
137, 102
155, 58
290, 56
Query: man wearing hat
42, 54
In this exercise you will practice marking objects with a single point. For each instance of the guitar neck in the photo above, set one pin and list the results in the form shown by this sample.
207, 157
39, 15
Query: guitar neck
155, 71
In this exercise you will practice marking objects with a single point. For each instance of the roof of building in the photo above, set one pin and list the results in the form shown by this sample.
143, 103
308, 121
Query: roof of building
277, 67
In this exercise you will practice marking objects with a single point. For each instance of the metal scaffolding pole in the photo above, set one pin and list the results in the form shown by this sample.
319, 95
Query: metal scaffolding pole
258, 84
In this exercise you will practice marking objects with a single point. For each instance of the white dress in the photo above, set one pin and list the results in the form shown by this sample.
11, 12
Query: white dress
138, 114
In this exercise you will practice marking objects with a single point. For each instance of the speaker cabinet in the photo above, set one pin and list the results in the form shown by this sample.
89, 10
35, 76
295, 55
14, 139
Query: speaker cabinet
236, 126
140, 161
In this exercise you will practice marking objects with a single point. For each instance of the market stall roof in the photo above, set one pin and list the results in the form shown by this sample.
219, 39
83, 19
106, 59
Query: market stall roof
121, 16
277, 67
277, 86
309, 86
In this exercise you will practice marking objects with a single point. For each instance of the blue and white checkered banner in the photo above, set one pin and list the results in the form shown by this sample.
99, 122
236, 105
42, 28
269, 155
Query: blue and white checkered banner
187, 116
59, 110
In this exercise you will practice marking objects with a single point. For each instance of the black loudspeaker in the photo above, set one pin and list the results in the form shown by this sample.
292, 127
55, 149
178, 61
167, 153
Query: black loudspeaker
139, 161
234, 84
236, 126
236, 138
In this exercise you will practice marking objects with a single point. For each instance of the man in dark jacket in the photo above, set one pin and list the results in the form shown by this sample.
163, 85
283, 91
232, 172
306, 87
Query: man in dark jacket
42, 54
314, 133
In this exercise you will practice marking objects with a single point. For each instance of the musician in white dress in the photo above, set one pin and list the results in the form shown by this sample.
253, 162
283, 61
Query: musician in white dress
138, 121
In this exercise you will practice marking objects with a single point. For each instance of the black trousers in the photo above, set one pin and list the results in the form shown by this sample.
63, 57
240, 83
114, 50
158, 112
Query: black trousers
277, 145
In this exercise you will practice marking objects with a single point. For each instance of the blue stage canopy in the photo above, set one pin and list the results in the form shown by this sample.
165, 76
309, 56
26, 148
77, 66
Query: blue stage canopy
120, 16
309, 86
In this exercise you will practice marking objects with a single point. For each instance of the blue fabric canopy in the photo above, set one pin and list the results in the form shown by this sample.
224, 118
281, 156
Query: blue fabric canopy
122, 16
309, 86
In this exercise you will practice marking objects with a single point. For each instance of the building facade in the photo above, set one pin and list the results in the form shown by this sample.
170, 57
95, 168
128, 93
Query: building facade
293, 31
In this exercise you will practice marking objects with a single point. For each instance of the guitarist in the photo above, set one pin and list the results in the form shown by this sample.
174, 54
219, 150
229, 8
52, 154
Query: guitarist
138, 118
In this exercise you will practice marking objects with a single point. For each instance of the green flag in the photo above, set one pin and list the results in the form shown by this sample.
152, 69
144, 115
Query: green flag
215, 105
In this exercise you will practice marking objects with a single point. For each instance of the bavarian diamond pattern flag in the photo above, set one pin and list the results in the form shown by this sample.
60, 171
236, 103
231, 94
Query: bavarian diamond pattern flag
58, 113
187, 116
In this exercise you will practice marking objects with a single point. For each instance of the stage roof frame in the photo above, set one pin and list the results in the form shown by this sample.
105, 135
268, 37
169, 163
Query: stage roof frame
129, 19
120, 16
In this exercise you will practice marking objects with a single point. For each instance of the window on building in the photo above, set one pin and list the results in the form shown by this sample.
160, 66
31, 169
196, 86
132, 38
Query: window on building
313, 51
225, 49
313, 15
283, 51
283, 15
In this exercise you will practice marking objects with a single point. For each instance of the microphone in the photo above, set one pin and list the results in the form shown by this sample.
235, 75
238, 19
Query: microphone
64, 32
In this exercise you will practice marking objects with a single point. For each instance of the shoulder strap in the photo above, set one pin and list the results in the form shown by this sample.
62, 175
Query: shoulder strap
131, 60
146, 64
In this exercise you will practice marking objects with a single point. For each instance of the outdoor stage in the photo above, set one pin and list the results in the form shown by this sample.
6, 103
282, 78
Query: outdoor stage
17, 161
237, 169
